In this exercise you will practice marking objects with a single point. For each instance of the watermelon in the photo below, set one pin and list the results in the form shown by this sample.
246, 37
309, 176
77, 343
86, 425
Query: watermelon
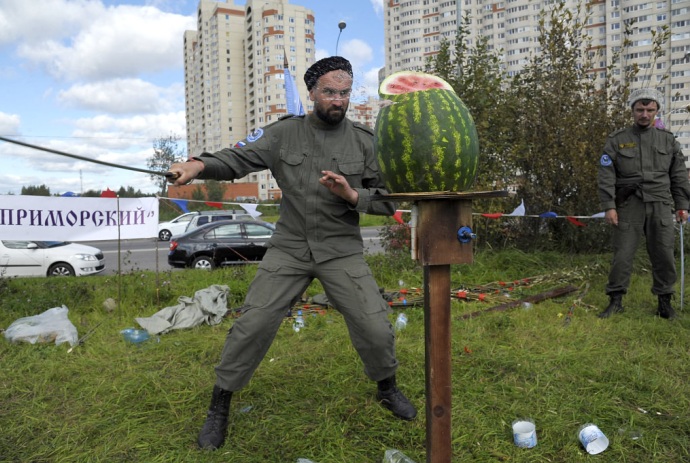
426, 139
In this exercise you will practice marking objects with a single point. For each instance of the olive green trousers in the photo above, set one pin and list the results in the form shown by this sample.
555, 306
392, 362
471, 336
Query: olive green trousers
654, 221
279, 283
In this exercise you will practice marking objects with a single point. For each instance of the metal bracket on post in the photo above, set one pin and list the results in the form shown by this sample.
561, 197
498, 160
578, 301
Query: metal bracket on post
465, 235
413, 231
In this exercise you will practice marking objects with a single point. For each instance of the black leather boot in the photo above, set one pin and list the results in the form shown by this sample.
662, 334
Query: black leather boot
390, 397
215, 427
665, 310
615, 305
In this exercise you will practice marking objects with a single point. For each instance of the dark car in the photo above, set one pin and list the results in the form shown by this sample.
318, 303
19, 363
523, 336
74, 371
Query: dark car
225, 242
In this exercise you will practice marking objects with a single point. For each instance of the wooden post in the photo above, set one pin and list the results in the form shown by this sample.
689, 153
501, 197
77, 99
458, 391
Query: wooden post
439, 218
438, 362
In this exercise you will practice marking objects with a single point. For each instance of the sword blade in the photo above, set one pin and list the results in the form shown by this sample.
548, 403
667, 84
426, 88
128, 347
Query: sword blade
82, 158
682, 267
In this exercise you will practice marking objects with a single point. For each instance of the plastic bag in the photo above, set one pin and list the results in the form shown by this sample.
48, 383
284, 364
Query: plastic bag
51, 325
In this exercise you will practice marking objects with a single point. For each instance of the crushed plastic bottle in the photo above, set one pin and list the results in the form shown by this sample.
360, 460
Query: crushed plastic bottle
298, 324
401, 322
396, 456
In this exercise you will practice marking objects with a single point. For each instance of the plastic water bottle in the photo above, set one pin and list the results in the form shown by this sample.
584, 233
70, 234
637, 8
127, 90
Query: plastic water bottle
298, 324
400, 322
396, 456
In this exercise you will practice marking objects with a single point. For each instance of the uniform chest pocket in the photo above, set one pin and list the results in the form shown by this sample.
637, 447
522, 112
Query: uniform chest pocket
290, 172
627, 162
662, 160
352, 169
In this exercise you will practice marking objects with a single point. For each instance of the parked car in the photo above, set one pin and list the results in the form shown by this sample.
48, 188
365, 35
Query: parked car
176, 226
221, 243
48, 258
205, 217
183, 223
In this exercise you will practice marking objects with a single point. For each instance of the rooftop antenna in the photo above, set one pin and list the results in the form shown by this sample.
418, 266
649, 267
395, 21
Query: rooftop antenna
341, 26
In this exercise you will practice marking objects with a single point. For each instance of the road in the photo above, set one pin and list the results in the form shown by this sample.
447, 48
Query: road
151, 254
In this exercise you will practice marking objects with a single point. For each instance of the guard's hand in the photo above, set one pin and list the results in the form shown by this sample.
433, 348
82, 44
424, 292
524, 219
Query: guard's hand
682, 216
339, 186
182, 173
611, 217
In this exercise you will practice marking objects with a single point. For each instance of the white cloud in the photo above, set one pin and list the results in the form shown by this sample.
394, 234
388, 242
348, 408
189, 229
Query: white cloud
113, 132
124, 96
378, 6
371, 82
9, 124
358, 52
119, 41
50, 19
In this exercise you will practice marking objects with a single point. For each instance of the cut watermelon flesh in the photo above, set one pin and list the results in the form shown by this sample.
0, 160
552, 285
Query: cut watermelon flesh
409, 81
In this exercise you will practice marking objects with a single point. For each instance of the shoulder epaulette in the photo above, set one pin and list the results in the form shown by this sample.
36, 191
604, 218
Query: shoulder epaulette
363, 127
290, 116
613, 134
666, 131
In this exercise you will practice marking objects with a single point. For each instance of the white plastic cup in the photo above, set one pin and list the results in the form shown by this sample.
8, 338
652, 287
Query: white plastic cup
524, 433
593, 439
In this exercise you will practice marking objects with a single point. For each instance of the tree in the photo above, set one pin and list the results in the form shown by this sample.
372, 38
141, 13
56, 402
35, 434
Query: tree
542, 131
215, 190
165, 152
33, 190
198, 194
559, 128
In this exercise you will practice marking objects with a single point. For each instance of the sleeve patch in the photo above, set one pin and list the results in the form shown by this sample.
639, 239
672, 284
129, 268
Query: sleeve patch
255, 135
605, 160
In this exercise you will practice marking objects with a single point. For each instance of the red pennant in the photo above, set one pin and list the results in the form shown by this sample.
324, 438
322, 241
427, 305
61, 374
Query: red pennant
212, 204
494, 215
576, 222
108, 193
398, 217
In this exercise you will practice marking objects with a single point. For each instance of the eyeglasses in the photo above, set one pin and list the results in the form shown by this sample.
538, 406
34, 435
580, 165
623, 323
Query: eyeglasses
331, 95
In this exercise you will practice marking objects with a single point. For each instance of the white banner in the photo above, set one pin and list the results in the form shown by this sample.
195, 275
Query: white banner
58, 218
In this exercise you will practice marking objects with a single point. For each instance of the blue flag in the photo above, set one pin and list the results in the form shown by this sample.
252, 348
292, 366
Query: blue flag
294, 104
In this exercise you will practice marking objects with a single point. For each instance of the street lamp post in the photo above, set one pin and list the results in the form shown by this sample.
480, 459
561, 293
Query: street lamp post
341, 26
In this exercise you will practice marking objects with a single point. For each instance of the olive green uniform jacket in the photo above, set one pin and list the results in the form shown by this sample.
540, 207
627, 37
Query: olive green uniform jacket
642, 175
297, 149
650, 160
317, 236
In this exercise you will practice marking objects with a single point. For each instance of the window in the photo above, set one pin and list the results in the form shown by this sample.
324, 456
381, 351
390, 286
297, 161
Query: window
257, 231
228, 231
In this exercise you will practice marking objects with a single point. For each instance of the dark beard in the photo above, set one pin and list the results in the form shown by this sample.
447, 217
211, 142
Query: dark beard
332, 117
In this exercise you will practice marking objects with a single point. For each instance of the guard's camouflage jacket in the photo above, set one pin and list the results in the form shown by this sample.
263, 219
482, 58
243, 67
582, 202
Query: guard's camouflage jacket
646, 162
313, 221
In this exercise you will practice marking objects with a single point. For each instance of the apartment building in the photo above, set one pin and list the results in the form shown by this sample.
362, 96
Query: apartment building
234, 72
414, 29
364, 112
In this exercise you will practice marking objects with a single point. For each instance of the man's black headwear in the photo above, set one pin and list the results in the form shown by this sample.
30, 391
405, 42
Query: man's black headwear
323, 66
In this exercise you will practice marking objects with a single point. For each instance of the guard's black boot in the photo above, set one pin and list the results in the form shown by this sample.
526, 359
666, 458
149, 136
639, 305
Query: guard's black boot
390, 397
665, 310
215, 427
615, 305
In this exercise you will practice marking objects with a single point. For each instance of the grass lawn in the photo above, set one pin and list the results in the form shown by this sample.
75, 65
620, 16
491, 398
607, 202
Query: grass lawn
553, 361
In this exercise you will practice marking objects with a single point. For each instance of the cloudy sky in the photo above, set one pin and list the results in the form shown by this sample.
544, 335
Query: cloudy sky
104, 79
